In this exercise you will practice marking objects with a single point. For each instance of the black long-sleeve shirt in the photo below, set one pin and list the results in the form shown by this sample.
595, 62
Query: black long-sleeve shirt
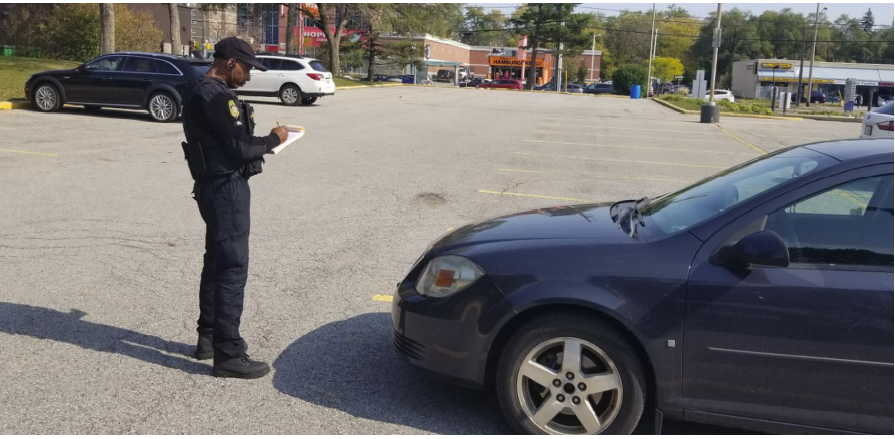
212, 117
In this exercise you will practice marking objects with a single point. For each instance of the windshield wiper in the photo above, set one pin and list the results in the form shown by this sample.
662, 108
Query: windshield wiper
616, 216
635, 211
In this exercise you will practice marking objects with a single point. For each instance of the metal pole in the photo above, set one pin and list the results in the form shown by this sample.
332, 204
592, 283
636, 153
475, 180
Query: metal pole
593, 50
715, 56
813, 49
774, 90
649, 70
799, 88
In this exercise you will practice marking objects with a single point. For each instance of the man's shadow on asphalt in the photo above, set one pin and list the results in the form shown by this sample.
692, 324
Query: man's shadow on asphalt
352, 366
49, 324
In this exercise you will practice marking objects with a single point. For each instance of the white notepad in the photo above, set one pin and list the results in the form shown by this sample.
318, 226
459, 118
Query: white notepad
294, 133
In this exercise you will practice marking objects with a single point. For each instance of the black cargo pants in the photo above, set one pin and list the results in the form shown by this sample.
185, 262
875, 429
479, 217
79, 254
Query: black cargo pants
224, 204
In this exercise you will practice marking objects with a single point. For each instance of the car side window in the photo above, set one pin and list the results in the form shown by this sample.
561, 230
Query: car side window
271, 63
848, 225
290, 65
106, 64
139, 65
166, 67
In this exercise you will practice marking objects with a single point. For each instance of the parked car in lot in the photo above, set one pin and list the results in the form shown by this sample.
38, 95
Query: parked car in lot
759, 298
294, 79
879, 123
147, 81
599, 89
444, 75
817, 97
720, 94
475, 82
512, 84
377, 77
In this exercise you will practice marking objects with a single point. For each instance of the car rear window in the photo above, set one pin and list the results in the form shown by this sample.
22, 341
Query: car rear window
139, 65
318, 66
166, 68
200, 68
886, 109
290, 65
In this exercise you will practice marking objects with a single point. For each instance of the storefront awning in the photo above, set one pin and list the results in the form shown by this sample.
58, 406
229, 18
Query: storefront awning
843, 74
440, 63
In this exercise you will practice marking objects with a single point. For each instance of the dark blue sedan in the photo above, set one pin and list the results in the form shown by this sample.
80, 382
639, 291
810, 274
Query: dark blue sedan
758, 298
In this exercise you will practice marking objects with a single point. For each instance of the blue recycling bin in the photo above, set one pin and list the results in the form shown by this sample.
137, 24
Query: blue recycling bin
635, 91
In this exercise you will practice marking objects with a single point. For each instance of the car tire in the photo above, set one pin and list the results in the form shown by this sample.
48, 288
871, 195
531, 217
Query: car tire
162, 107
290, 95
46, 97
308, 101
606, 359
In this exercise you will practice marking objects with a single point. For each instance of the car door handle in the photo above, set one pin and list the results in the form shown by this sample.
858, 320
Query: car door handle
282, 74
147, 79
107, 77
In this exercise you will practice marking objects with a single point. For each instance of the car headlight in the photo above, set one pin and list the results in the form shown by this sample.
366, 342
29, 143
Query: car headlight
446, 275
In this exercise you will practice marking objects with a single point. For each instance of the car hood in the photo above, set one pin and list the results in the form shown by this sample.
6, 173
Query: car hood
54, 73
577, 222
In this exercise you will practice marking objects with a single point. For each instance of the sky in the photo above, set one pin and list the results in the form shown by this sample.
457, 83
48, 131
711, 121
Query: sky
882, 12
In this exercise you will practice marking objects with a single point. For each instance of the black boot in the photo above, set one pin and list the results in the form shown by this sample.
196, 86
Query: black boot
240, 367
204, 351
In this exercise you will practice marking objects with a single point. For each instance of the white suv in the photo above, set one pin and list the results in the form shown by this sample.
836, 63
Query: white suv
292, 78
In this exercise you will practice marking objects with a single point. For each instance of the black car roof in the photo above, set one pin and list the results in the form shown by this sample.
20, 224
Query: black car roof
851, 149
167, 56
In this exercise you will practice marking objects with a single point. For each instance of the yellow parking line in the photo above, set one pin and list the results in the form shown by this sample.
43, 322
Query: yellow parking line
638, 147
526, 171
749, 144
30, 152
514, 194
619, 160
382, 298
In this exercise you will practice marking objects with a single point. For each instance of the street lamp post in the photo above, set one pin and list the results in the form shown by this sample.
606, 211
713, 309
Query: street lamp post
649, 70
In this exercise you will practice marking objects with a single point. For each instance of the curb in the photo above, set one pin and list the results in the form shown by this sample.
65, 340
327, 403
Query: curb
750, 116
382, 85
13, 105
833, 118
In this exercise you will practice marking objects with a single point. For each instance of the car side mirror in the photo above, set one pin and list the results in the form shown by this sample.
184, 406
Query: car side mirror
764, 248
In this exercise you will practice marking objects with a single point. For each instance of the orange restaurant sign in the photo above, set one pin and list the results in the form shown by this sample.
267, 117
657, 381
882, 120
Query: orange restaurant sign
509, 61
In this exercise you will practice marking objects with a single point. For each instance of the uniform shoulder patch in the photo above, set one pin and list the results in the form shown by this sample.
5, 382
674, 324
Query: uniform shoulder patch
234, 109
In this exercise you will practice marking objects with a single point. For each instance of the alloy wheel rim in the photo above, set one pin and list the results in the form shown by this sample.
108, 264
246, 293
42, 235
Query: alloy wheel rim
290, 95
46, 98
568, 385
161, 107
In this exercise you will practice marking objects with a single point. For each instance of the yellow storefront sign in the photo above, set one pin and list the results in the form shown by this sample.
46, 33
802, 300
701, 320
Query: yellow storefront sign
771, 65
509, 61
805, 80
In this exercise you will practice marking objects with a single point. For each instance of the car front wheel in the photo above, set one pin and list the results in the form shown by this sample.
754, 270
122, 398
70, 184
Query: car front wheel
290, 95
162, 107
46, 98
569, 373
308, 101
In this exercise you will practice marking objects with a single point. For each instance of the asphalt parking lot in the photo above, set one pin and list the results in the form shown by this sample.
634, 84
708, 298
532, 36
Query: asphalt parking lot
101, 249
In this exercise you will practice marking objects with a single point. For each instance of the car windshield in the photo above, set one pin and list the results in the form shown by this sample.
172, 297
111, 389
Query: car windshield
713, 196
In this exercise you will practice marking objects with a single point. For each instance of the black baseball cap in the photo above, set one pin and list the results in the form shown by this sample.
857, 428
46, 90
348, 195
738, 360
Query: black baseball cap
232, 47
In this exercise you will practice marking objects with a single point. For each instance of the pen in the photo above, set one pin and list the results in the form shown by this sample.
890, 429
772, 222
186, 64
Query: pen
278, 123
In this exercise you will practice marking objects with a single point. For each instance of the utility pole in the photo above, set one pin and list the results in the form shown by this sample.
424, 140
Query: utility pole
715, 56
649, 70
800, 87
813, 49
559, 81
593, 50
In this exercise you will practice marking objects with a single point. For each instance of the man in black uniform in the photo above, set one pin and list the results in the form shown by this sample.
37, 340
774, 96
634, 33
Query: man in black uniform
222, 154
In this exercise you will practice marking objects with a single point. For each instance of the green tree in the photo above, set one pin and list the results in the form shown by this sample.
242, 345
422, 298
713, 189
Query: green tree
485, 29
582, 72
867, 21
329, 17
550, 24
666, 69
627, 75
